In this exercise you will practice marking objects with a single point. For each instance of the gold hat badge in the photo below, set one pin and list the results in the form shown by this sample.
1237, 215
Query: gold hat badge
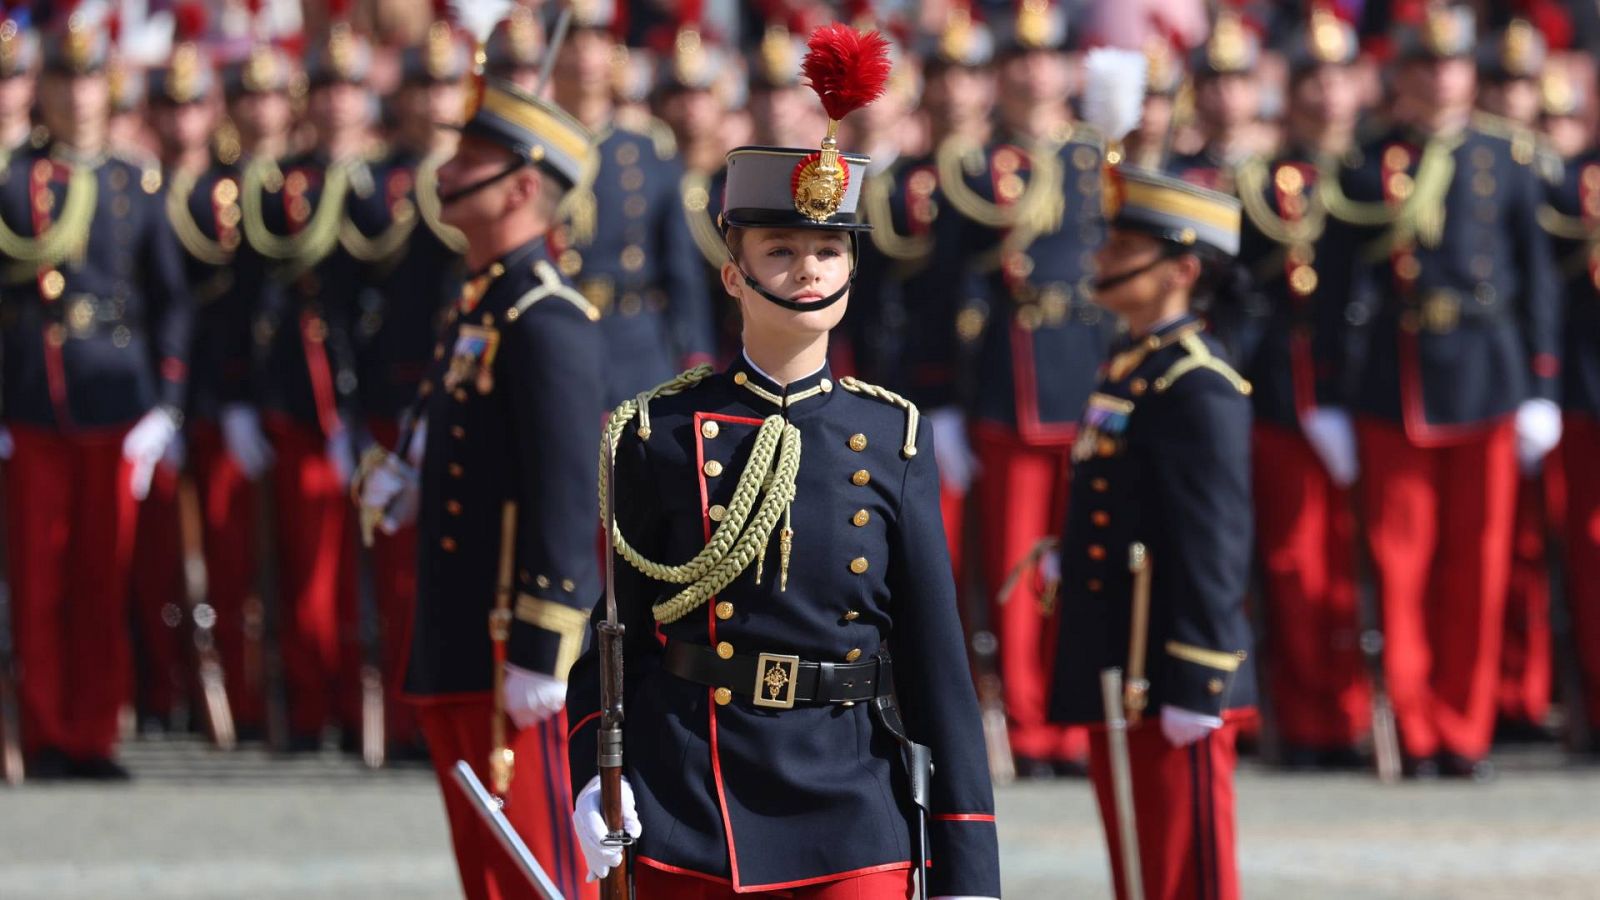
848, 70
1228, 50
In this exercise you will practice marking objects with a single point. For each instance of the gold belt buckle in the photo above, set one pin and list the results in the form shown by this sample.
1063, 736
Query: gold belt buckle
776, 675
1441, 312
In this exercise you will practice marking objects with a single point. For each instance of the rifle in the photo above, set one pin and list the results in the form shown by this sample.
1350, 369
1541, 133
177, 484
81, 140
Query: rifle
616, 885
502, 759
203, 617
1385, 733
1137, 690
370, 629
985, 649
488, 810
11, 765
1111, 695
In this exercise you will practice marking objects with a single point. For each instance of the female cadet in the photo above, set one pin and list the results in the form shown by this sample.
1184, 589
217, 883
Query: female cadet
1160, 534
778, 535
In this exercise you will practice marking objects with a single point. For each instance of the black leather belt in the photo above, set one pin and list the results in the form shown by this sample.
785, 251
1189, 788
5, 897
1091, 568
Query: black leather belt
779, 681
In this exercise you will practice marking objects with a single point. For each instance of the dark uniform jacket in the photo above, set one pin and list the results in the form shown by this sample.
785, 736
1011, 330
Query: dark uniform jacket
98, 333
636, 262
1028, 298
1293, 320
1163, 459
763, 797
398, 320
204, 214
1572, 220
510, 406
1456, 319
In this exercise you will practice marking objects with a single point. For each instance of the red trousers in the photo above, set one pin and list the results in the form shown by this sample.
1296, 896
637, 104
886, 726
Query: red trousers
158, 599
320, 635
1305, 528
1022, 496
1580, 448
394, 570
69, 524
228, 516
1439, 523
1526, 663
658, 884
538, 805
1183, 811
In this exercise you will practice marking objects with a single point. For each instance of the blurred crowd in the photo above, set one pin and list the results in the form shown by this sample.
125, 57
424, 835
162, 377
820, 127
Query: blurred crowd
223, 265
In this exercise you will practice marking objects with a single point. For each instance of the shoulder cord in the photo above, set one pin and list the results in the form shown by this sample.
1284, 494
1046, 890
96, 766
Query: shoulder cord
70, 232
190, 234
880, 214
429, 207
1251, 179
1199, 358
695, 189
909, 448
320, 234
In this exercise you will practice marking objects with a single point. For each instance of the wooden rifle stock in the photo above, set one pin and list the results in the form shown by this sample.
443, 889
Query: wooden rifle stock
203, 617
615, 885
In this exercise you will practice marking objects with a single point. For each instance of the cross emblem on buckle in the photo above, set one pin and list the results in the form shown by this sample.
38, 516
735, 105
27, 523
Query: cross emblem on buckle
775, 680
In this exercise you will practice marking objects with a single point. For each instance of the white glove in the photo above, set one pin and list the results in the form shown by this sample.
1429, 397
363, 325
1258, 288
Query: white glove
1538, 432
957, 464
1182, 727
246, 442
1050, 567
342, 454
394, 489
7, 445
590, 824
532, 697
144, 446
177, 454
1333, 438
419, 444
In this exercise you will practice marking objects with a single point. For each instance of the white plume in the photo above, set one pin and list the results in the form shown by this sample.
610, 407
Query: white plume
479, 17
1113, 98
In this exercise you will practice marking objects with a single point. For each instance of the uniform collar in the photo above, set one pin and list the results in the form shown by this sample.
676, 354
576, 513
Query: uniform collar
758, 385
479, 283
1132, 350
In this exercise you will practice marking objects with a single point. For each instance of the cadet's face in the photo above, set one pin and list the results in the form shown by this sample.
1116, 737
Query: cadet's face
1446, 85
1568, 134
1157, 117
75, 106
1229, 101
474, 160
262, 115
692, 112
790, 116
1128, 251
16, 96
1519, 101
445, 103
1036, 77
960, 94
799, 264
585, 61
339, 106
1328, 94
184, 126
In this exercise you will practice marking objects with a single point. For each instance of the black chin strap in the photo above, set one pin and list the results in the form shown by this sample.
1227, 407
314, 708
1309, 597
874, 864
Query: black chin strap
794, 305
481, 183
1106, 284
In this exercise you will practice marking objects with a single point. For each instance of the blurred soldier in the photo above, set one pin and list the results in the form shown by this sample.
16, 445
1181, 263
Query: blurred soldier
398, 322
129, 131
183, 113
1305, 466
101, 294
515, 48
1227, 100
1029, 212
505, 414
1149, 144
624, 239
1159, 532
19, 61
1453, 385
1572, 220
1510, 65
312, 226
782, 109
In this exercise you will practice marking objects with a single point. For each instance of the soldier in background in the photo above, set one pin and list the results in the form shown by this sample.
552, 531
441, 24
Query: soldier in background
1303, 445
398, 321
1150, 142
1453, 385
1227, 101
94, 293
514, 48
624, 240
19, 62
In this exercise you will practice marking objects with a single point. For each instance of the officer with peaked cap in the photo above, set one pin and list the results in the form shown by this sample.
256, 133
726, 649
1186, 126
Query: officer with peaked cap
505, 414
1158, 536
97, 292
778, 528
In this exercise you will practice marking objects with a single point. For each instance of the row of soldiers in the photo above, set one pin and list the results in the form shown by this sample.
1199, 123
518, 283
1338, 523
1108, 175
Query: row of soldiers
252, 308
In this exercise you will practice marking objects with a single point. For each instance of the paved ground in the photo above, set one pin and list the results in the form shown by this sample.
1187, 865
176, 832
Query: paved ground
201, 825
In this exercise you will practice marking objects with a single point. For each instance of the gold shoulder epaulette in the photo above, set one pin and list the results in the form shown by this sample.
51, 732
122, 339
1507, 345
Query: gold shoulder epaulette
1524, 142
551, 285
857, 386
661, 136
1199, 357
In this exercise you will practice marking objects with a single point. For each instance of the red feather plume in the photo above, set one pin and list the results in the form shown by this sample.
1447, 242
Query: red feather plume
846, 68
188, 22
339, 10
690, 12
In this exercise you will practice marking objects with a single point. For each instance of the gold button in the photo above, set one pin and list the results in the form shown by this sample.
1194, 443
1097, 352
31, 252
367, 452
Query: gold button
725, 650
1095, 584
456, 431
724, 610
723, 696
858, 565
851, 616
453, 507
568, 585
740, 378
860, 478
826, 385
455, 470
853, 655
1100, 485
1138, 386
713, 468
543, 581
717, 512
1214, 685
460, 395
861, 518
1100, 518
1097, 552
52, 284
448, 544
709, 430
858, 442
